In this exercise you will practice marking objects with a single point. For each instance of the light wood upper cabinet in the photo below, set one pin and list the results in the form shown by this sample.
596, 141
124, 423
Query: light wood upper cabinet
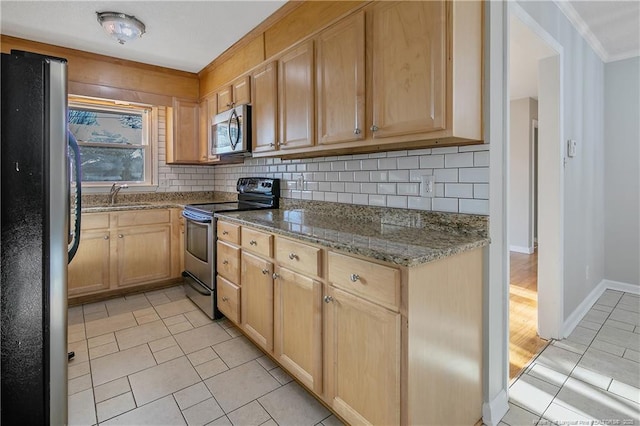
296, 97
264, 109
298, 326
183, 142
362, 358
237, 93
224, 98
408, 68
256, 299
340, 81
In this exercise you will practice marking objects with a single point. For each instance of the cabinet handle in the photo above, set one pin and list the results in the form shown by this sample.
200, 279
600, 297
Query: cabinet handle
328, 299
106, 237
357, 131
293, 256
253, 243
120, 236
265, 271
275, 276
225, 262
225, 298
354, 277
225, 232
374, 128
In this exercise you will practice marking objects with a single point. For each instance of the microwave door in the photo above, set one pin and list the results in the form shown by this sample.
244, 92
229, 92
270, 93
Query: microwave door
235, 127
220, 142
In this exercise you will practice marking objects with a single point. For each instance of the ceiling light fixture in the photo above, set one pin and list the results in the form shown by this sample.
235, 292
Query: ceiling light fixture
121, 27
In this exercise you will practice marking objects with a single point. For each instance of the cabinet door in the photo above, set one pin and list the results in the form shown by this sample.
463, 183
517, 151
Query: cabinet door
242, 91
362, 355
256, 295
340, 81
185, 146
298, 326
89, 270
228, 261
144, 254
409, 67
207, 110
225, 99
264, 108
295, 97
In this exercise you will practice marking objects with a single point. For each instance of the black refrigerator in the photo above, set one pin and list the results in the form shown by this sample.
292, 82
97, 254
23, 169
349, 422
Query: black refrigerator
35, 239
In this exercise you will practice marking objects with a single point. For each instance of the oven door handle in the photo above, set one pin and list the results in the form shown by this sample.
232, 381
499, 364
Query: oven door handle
195, 217
194, 284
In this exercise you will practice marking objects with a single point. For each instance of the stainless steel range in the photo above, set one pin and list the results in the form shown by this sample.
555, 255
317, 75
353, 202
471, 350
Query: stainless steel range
200, 237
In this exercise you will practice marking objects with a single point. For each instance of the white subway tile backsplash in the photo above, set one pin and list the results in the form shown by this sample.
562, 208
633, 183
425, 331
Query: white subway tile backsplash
464, 159
337, 186
398, 175
481, 191
332, 176
474, 206
397, 201
387, 164
445, 204
386, 188
377, 200
360, 199
346, 176
396, 154
369, 164
412, 162
345, 198
408, 189
478, 147
361, 176
419, 203
324, 186
378, 155
481, 158
331, 196
444, 150
458, 190
438, 190
475, 174
337, 166
432, 162
324, 167
446, 175
369, 188
318, 196
379, 176
352, 165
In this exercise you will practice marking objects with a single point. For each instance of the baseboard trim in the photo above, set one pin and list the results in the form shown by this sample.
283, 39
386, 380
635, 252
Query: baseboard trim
620, 286
576, 316
493, 411
520, 249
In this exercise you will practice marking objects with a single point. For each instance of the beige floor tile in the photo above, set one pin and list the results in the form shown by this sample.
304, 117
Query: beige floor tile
95, 316
626, 317
233, 332
76, 337
175, 293
582, 335
98, 351
609, 298
547, 374
619, 324
617, 368
607, 347
168, 354
141, 334
602, 308
162, 380
570, 346
147, 318
76, 369
115, 406
267, 362
558, 359
198, 318
192, 395
75, 315
203, 412
225, 323
269, 422
591, 377
202, 356
211, 368
221, 421
292, 405
596, 316
251, 414
280, 375
164, 411
81, 409
180, 327
632, 355
626, 391
237, 351
111, 389
91, 308
334, 421
144, 312
558, 414
79, 384
241, 385
519, 416
110, 324
120, 364
201, 337
120, 306
176, 319
174, 308
80, 350
101, 340
164, 343
532, 394
158, 299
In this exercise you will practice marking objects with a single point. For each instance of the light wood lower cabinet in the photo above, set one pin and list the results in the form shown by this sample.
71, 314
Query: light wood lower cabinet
126, 249
257, 299
298, 326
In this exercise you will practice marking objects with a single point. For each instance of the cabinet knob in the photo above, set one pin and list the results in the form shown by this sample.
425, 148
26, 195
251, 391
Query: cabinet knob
225, 232
374, 128
225, 298
120, 236
275, 276
328, 299
106, 237
354, 277
225, 262
293, 256
357, 131
253, 242
265, 271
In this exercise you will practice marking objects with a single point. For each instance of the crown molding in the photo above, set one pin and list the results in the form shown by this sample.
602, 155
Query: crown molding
583, 29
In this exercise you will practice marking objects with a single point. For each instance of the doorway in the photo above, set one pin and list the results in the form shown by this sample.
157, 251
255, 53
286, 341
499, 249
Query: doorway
535, 194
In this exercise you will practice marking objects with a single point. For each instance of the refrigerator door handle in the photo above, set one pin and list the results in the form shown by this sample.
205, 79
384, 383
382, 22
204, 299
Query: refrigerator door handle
73, 144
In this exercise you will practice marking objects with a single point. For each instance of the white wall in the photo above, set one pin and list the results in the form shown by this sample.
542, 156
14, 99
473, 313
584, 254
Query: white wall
522, 112
621, 171
583, 95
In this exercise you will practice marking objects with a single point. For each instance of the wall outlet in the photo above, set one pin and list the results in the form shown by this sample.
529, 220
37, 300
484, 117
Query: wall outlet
572, 147
300, 182
427, 185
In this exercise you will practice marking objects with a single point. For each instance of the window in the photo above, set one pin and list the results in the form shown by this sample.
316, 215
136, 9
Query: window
114, 140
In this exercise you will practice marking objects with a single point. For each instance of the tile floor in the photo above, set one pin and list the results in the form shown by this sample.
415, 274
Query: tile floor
156, 359
592, 377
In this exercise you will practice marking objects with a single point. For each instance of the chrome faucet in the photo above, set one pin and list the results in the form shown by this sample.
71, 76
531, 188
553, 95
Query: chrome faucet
113, 193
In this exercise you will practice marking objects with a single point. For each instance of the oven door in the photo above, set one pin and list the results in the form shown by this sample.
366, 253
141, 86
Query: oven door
230, 132
199, 250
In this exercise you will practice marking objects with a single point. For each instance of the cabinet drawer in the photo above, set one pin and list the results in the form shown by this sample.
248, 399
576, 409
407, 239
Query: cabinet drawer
95, 221
143, 217
372, 281
257, 242
228, 261
228, 232
228, 299
298, 256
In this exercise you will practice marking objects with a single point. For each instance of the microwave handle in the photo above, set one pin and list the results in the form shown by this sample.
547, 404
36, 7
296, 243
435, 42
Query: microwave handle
229, 127
237, 119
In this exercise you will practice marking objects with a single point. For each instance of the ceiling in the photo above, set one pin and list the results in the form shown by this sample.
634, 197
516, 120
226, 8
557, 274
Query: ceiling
188, 35
183, 35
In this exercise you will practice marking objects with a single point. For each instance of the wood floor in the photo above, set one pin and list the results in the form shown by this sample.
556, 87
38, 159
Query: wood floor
524, 342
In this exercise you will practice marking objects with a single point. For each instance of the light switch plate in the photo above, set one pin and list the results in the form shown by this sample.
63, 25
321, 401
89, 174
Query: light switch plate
572, 147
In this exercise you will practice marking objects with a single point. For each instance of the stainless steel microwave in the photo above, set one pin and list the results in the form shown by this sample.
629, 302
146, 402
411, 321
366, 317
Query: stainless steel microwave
231, 132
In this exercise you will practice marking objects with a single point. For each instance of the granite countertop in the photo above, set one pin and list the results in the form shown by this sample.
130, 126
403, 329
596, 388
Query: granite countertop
96, 203
404, 245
